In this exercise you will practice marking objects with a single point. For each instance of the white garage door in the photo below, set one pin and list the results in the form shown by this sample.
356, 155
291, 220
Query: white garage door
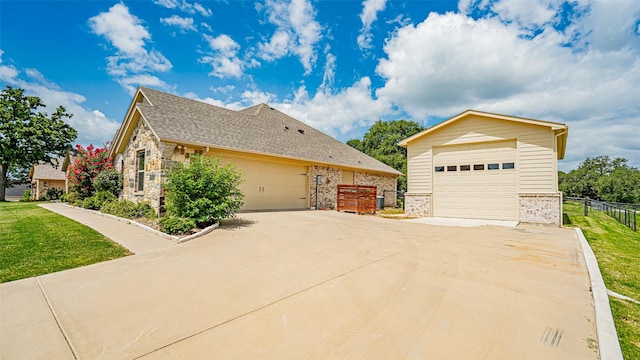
272, 186
477, 181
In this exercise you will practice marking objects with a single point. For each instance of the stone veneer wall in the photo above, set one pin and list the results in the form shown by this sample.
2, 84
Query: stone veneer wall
382, 182
544, 209
143, 139
417, 204
331, 177
328, 190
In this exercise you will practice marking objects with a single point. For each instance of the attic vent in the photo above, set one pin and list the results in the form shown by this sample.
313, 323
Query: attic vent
271, 108
301, 131
286, 128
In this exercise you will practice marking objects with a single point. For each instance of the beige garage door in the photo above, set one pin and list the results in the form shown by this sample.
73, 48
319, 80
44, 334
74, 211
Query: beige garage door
477, 181
272, 186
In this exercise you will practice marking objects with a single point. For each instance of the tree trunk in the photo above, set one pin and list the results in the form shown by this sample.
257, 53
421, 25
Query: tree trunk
3, 181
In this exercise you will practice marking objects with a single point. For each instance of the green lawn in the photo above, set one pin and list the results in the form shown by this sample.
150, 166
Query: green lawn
617, 249
35, 241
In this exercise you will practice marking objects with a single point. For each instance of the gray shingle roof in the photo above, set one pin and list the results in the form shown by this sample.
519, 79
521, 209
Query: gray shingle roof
259, 128
48, 172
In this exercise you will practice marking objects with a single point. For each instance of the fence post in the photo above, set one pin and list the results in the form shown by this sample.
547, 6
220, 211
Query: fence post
586, 206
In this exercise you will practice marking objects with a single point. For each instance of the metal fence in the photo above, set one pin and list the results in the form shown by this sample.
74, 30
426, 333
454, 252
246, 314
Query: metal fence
625, 214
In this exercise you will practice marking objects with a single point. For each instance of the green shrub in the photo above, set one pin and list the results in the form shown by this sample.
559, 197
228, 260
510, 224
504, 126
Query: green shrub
52, 194
96, 201
71, 197
108, 180
203, 190
127, 209
26, 196
78, 203
176, 225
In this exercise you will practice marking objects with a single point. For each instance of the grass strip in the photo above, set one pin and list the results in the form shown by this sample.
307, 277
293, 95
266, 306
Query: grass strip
35, 241
617, 249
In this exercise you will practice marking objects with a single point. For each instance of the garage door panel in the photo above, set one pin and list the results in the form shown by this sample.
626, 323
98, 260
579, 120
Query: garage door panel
272, 186
489, 194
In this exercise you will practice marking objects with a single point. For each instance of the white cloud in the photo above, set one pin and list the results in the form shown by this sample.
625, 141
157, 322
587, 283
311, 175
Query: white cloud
125, 32
92, 125
337, 113
297, 32
368, 16
586, 75
7, 72
329, 71
183, 23
185, 6
224, 60
131, 83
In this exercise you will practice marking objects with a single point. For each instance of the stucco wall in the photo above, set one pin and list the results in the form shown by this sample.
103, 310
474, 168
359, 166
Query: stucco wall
543, 209
417, 204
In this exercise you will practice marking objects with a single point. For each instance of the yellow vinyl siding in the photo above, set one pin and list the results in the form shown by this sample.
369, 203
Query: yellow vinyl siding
419, 167
537, 159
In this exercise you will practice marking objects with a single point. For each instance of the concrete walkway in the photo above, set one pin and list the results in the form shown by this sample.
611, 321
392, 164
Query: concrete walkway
316, 285
132, 237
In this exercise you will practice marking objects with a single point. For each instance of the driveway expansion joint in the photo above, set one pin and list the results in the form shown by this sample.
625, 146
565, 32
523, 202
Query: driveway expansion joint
57, 320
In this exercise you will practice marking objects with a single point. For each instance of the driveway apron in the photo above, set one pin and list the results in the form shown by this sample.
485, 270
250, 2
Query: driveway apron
321, 285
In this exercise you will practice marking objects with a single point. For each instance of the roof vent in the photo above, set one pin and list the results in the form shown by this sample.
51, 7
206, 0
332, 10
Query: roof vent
271, 108
286, 128
301, 131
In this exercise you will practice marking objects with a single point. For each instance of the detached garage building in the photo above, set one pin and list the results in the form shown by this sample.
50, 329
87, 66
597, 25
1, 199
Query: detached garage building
486, 166
280, 158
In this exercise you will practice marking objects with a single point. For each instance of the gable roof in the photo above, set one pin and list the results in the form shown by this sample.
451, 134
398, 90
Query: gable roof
259, 129
47, 171
561, 130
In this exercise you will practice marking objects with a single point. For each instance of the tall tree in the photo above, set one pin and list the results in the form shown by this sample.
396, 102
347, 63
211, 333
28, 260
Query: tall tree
29, 136
381, 143
602, 178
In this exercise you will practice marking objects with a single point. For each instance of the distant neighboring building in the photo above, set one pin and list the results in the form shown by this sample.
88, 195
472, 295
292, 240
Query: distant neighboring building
46, 176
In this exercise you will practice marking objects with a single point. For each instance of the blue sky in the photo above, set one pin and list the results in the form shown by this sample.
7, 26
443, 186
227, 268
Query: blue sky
339, 65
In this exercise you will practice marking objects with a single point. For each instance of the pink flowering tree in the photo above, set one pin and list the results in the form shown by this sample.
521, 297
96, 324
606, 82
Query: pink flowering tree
87, 164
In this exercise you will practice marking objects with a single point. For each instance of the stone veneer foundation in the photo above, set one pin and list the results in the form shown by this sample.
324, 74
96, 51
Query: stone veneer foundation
417, 204
543, 209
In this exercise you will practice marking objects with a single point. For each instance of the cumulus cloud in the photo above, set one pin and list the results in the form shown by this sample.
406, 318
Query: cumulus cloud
368, 16
224, 59
297, 32
337, 113
128, 36
185, 6
92, 125
584, 73
183, 23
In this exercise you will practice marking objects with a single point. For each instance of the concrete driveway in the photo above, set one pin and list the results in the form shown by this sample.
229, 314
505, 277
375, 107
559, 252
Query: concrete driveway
316, 284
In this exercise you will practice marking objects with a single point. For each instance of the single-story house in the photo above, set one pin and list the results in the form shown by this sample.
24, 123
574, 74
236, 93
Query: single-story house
284, 162
46, 176
486, 166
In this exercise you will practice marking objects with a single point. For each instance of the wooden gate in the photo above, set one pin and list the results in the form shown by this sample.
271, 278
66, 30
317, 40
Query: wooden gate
359, 199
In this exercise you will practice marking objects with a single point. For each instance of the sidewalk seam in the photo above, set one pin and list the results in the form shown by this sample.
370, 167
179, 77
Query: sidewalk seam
55, 317
608, 343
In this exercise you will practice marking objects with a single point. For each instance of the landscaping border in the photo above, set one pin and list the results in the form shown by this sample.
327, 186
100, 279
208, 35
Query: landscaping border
175, 239
608, 343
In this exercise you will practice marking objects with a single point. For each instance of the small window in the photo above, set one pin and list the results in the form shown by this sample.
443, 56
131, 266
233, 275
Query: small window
478, 167
508, 166
452, 167
493, 167
140, 170
439, 168
465, 167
